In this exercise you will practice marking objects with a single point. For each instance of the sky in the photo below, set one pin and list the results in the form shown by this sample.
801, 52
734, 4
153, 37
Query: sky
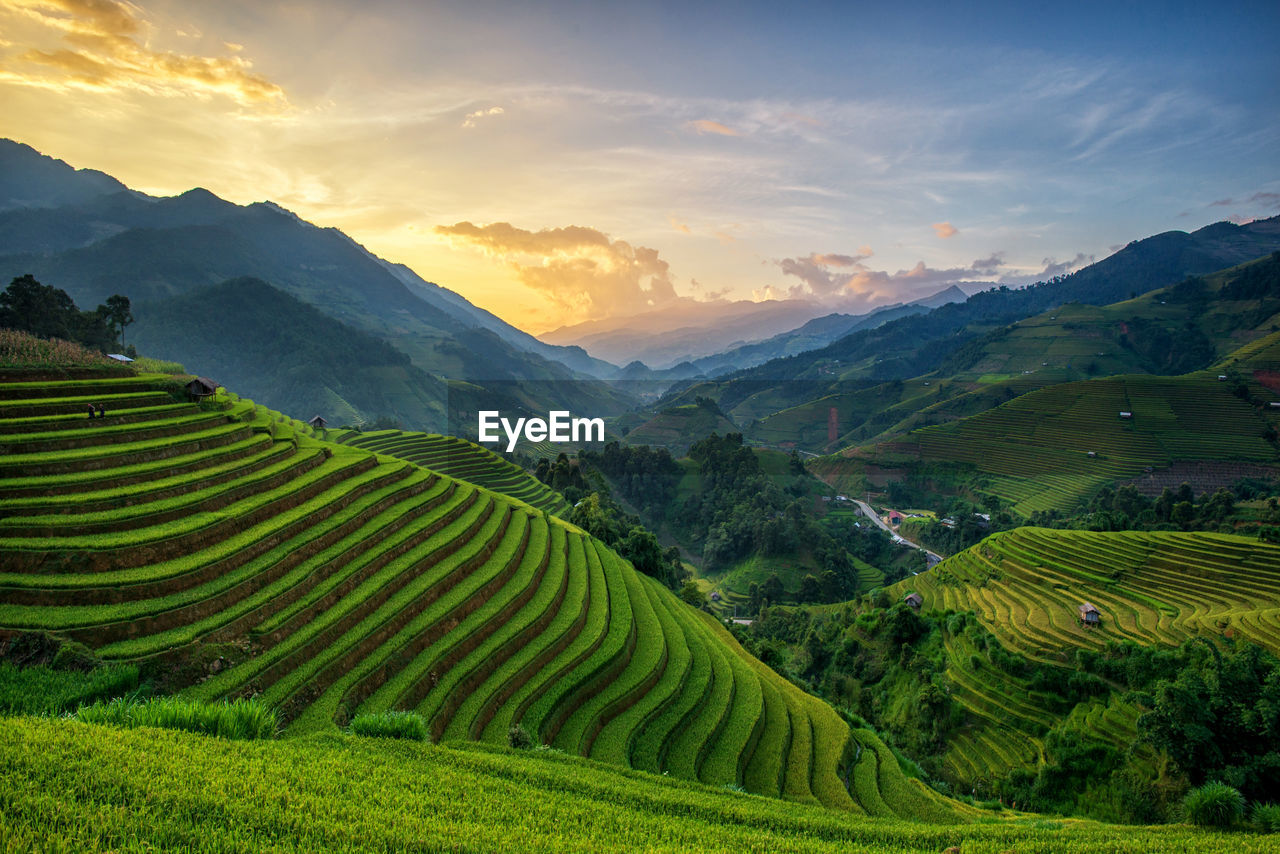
568, 161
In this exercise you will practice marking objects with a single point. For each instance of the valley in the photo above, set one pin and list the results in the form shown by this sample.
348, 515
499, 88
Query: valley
320, 560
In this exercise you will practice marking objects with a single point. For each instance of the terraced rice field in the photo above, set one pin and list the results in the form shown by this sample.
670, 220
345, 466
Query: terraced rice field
1025, 586
1035, 448
462, 460
331, 581
72, 786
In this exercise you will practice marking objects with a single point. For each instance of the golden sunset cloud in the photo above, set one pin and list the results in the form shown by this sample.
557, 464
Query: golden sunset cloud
101, 45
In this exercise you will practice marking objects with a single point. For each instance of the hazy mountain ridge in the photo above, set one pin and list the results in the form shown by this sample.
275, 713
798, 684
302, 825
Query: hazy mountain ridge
914, 345
687, 331
819, 332
156, 249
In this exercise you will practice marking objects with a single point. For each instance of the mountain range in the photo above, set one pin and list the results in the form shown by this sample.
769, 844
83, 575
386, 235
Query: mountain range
86, 233
787, 400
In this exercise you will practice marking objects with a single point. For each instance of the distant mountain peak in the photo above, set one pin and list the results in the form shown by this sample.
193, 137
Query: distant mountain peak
29, 179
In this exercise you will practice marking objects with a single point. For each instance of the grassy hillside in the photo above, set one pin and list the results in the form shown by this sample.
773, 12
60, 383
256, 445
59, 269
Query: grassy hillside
273, 347
463, 460
1157, 588
1034, 451
677, 427
881, 391
230, 553
73, 786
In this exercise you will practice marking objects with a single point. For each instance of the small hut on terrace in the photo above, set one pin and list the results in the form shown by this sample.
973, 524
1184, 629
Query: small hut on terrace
1090, 616
202, 387
915, 600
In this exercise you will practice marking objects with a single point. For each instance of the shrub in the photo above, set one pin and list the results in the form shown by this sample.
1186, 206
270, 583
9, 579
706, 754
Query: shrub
1213, 805
518, 738
239, 720
391, 725
44, 690
1266, 817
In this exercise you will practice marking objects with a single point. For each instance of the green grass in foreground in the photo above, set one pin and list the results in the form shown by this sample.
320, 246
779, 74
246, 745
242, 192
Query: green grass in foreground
68, 786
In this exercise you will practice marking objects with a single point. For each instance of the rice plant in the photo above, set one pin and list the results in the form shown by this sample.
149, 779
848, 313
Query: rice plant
390, 725
240, 720
46, 691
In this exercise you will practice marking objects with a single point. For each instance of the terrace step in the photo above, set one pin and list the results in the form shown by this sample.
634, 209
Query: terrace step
113, 456
78, 421
163, 545
306, 536
94, 480
411, 654
273, 664
208, 498
387, 628
76, 406
156, 490
32, 390
97, 433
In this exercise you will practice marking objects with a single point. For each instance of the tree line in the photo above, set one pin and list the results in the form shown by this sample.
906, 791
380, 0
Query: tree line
49, 312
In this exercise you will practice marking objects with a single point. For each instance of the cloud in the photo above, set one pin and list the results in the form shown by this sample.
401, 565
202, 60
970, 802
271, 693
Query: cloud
707, 126
470, 120
842, 278
1266, 200
581, 269
1051, 269
988, 266
1054, 268
679, 226
945, 230
103, 46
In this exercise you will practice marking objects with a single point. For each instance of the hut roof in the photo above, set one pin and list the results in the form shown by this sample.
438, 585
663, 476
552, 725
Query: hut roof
913, 599
203, 385
1086, 607
317, 421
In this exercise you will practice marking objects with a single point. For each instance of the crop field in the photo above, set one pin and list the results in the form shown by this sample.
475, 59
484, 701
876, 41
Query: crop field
330, 581
1025, 585
1034, 450
462, 460
73, 786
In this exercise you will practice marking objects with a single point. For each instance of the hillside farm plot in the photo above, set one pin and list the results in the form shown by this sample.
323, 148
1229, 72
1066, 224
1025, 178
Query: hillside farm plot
233, 556
462, 460
1026, 587
75, 786
1035, 450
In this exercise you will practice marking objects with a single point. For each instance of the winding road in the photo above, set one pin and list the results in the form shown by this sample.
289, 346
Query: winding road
934, 557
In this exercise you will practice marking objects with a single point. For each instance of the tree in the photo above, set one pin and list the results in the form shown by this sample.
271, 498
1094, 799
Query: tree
810, 589
119, 314
691, 594
39, 309
772, 588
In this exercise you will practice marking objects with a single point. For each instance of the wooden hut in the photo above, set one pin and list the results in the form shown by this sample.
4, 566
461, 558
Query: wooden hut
1090, 616
202, 387
914, 600
318, 422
